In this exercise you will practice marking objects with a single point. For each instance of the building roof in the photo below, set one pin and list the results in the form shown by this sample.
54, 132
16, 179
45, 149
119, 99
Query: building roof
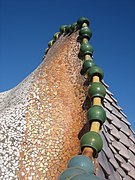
43, 118
117, 158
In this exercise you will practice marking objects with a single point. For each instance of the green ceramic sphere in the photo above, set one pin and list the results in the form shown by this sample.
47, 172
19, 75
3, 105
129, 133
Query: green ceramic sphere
97, 113
63, 28
95, 71
74, 26
71, 172
93, 140
96, 90
56, 36
82, 20
86, 48
86, 65
69, 29
85, 32
46, 51
50, 43
82, 162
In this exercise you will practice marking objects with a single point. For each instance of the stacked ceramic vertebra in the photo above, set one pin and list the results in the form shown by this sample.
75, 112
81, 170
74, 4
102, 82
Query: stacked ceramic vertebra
81, 166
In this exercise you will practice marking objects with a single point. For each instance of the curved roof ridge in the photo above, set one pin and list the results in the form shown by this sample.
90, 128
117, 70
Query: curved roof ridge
35, 118
63, 30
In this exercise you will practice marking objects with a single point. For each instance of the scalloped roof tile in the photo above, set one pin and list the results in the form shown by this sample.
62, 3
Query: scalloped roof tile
103, 161
124, 139
119, 146
121, 172
114, 131
115, 121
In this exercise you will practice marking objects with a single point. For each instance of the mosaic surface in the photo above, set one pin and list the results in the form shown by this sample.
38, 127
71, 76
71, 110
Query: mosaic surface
43, 118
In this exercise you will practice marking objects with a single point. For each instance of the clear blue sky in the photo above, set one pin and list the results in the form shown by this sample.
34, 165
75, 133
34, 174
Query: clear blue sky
26, 26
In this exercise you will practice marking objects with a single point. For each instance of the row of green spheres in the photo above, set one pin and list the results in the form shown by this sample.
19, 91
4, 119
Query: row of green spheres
64, 29
81, 167
85, 32
95, 113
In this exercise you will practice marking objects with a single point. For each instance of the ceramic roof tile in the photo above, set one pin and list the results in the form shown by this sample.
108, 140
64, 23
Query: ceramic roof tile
108, 115
108, 125
131, 173
114, 99
116, 145
119, 158
132, 137
118, 142
114, 175
124, 139
113, 162
103, 161
109, 92
125, 120
114, 131
121, 172
108, 98
123, 114
108, 106
106, 85
125, 128
105, 129
113, 149
126, 167
101, 173
107, 135
111, 137
106, 148
133, 132
116, 112
105, 100
116, 106
123, 151
127, 178
132, 147
115, 121
132, 157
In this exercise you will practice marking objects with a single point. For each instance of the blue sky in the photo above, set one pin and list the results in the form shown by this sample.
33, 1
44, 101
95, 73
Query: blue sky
27, 26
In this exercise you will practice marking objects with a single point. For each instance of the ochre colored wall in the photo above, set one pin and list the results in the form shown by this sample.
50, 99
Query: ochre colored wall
54, 115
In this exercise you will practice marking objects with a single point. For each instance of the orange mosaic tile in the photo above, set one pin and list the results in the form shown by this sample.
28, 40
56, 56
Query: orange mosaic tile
55, 114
